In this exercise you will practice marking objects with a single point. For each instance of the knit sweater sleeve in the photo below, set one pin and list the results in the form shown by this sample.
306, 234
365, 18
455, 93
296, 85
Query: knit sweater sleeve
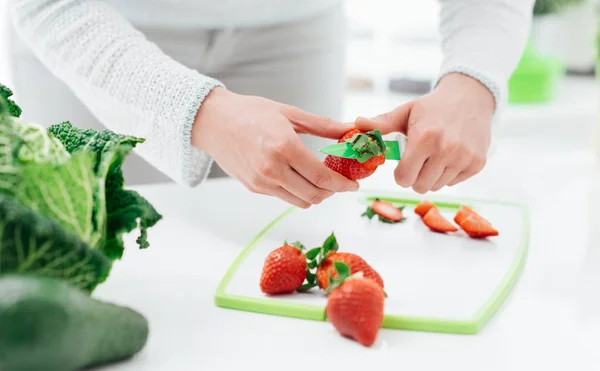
127, 82
484, 39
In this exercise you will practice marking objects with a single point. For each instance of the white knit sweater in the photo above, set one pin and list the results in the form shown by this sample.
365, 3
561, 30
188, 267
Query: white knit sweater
132, 87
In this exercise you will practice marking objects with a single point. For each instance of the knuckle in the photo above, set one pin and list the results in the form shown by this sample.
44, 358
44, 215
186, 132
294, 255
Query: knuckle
479, 163
265, 169
322, 179
432, 137
450, 146
317, 198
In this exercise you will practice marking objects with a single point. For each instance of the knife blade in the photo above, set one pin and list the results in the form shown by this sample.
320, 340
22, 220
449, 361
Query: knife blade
345, 150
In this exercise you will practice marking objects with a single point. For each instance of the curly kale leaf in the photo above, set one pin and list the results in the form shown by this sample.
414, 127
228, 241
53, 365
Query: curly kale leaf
12, 107
117, 209
63, 192
35, 244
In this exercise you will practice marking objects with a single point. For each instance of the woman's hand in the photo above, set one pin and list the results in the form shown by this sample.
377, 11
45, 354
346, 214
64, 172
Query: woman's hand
255, 140
448, 133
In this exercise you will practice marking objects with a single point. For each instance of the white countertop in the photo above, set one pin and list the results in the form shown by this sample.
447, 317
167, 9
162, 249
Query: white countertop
551, 320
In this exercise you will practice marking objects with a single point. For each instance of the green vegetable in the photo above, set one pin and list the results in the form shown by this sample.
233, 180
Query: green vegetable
13, 109
51, 326
38, 245
123, 206
72, 178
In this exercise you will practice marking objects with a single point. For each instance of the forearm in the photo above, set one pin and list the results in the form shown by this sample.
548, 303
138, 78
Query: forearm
125, 80
485, 39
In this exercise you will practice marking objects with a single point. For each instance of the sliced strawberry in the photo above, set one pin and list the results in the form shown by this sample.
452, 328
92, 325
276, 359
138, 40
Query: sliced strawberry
423, 207
387, 212
477, 227
462, 213
437, 222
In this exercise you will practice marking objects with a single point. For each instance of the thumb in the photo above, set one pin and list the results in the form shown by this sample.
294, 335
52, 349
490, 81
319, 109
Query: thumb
308, 123
395, 121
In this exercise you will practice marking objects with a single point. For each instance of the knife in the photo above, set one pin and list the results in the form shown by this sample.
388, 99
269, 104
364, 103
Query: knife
345, 150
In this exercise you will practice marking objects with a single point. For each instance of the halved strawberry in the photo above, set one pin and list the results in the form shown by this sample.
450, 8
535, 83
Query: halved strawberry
477, 227
387, 212
437, 222
423, 207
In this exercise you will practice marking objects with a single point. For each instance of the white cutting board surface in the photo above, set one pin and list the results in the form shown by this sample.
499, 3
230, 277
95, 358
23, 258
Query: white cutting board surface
435, 282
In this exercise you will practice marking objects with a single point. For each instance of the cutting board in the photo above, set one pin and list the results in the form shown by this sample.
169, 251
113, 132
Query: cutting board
435, 282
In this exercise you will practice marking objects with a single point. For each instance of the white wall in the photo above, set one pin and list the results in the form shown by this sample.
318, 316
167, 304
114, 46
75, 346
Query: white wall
4, 75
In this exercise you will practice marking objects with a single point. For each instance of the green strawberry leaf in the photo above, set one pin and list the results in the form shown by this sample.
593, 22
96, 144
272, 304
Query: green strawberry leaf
369, 213
312, 253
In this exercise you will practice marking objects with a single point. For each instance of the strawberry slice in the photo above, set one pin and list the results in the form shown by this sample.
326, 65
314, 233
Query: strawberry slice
462, 213
477, 227
437, 222
387, 212
423, 207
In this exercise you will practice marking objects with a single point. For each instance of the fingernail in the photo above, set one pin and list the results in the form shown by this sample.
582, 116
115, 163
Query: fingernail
355, 187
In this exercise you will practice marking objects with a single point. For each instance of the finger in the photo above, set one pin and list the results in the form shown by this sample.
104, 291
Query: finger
410, 165
314, 171
431, 171
308, 123
302, 188
286, 196
450, 173
476, 165
395, 121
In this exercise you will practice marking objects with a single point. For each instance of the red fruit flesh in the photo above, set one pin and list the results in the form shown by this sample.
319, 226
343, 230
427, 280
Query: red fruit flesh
462, 213
477, 227
284, 271
437, 222
387, 210
423, 207
356, 310
356, 264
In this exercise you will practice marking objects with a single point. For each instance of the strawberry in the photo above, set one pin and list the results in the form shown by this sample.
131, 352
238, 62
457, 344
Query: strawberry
370, 149
355, 306
423, 207
284, 270
477, 227
437, 223
387, 212
463, 212
356, 264
323, 258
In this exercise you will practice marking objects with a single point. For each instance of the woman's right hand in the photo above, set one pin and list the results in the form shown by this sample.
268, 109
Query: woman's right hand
255, 140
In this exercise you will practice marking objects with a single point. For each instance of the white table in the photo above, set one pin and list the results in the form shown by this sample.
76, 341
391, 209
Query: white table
551, 321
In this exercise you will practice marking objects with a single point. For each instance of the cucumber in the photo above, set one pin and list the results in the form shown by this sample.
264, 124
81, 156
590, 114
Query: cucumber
46, 324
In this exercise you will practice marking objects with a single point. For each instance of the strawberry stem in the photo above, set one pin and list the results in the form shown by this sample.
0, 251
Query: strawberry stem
367, 145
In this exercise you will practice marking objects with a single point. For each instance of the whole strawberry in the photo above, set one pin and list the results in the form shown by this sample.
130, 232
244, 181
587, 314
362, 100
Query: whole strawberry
322, 259
355, 306
369, 146
284, 270
354, 262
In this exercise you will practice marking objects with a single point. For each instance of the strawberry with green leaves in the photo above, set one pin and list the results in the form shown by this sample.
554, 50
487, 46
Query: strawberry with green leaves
386, 212
355, 305
284, 270
370, 148
323, 258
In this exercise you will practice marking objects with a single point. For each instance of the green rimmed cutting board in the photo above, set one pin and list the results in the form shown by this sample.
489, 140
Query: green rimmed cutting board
435, 282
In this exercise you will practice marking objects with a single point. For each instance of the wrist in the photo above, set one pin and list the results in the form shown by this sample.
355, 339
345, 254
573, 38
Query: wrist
469, 88
207, 116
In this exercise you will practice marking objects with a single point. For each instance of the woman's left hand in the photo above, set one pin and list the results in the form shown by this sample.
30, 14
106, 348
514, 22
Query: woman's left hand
447, 130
